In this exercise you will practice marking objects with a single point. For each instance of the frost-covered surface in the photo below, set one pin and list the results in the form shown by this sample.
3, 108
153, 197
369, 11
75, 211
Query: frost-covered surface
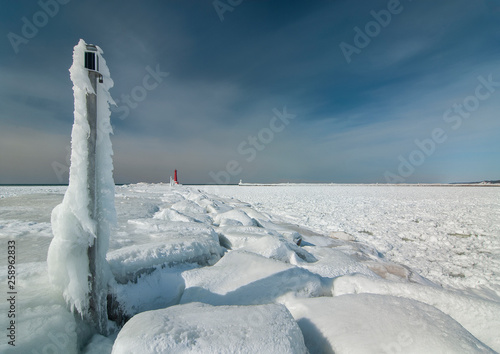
201, 328
243, 278
172, 243
379, 324
73, 224
478, 315
15, 191
450, 235
179, 246
43, 323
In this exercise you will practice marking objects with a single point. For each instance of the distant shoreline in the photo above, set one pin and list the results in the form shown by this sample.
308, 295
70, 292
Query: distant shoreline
286, 184
372, 184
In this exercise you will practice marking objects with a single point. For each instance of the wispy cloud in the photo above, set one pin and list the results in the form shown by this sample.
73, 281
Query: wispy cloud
353, 120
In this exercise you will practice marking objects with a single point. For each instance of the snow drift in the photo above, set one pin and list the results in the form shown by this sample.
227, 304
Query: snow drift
367, 323
201, 328
479, 316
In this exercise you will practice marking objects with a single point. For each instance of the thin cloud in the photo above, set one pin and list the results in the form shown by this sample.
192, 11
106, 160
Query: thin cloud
225, 78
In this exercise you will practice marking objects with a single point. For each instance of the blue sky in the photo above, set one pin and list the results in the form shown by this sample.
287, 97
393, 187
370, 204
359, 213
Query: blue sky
415, 97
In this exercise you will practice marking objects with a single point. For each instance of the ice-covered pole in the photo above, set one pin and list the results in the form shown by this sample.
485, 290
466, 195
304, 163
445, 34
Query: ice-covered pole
81, 224
98, 311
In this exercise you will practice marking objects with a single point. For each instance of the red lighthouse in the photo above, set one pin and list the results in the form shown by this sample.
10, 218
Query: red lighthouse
175, 177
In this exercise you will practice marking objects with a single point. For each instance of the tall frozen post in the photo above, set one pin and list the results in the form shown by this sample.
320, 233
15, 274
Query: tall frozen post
81, 224
98, 312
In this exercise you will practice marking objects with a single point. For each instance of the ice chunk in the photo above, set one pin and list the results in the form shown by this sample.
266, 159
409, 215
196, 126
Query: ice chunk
173, 215
201, 328
234, 217
160, 289
188, 206
177, 243
191, 209
333, 263
368, 323
254, 214
479, 316
267, 243
214, 206
242, 278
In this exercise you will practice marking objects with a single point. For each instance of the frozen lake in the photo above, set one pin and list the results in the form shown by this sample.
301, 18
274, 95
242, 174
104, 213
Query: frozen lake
363, 253
450, 235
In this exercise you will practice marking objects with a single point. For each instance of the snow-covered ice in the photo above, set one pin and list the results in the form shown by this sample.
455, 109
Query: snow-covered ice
43, 321
379, 324
171, 243
479, 316
450, 235
202, 328
194, 266
244, 278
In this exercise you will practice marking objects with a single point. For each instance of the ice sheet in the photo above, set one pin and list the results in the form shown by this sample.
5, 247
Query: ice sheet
261, 263
450, 235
